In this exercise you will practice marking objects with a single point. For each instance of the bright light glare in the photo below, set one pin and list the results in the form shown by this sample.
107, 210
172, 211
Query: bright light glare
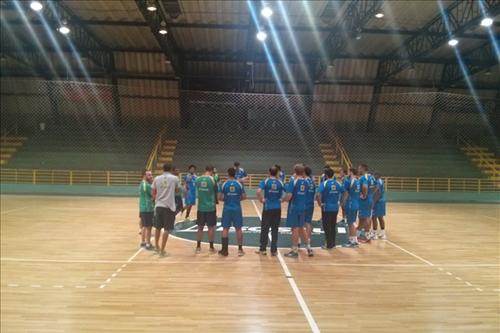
453, 42
487, 22
266, 12
151, 8
379, 15
64, 30
163, 31
36, 6
261, 35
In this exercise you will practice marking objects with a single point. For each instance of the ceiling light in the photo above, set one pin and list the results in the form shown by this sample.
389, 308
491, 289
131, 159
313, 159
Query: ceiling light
36, 6
151, 7
266, 11
261, 35
487, 22
64, 28
453, 42
163, 28
379, 15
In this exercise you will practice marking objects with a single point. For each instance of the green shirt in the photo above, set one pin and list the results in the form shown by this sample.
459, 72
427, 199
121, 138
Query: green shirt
145, 199
206, 188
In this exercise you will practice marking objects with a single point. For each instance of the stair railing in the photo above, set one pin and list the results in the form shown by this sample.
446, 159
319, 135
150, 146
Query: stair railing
155, 151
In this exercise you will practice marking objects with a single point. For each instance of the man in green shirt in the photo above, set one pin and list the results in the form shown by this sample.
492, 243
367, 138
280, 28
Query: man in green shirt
206, 214
146, 209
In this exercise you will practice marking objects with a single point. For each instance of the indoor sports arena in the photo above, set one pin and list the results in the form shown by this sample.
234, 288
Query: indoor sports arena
250, 166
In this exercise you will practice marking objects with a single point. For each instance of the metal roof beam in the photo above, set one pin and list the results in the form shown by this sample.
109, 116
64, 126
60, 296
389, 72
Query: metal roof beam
458, 17
167, 42
355, 17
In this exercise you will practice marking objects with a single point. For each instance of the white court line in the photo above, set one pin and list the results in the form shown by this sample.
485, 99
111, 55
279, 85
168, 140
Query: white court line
295, 288
410, 253
3, 212
120, 268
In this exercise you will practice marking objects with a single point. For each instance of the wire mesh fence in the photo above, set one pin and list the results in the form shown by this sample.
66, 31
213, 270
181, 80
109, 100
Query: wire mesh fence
97, 126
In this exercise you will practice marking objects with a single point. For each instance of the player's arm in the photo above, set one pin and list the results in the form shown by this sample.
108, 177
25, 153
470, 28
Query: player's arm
376, 195
364, 191
287, 197
343, 199
153, 190
260, 196
243, 196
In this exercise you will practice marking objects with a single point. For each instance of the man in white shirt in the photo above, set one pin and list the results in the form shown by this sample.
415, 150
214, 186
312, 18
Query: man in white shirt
164, 188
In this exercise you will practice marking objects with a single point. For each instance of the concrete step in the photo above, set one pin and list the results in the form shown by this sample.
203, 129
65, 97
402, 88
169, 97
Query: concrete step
168, 148
5, 156
7, 150
326, 145
2, 162
165, 159
167, 153
170, 142
11, 143
13, 138
480, 153
472, 149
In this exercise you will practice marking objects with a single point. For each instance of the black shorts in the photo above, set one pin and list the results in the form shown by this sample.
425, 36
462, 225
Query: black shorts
164, 218
147, 219
206, 218
271, 217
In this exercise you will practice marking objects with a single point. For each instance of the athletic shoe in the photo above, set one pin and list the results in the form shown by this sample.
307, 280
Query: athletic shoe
323, 247
292, 254
274, 254
212, 250
224, 254
264, 253
157, 249
382, 235
351, 245
187, 219
149, 247
163, 254
374, 236
310, 253
241, 253
198, 250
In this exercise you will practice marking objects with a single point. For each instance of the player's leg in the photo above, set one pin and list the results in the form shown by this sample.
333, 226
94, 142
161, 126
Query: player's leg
275, 225
333, 228
293, 222
308, 229
264, 231
200, 221
238, 225
351, 220
374, 235
326, 228
142, 230
226, 224
158, 227
380, 215
211, 222
148, 225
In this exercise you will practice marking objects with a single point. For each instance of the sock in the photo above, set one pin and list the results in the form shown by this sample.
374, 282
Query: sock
308, 245
225, 244
240, 247
355, 239
212, 245
199, 244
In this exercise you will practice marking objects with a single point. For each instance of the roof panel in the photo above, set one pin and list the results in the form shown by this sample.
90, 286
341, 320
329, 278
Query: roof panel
125, 37
115, 10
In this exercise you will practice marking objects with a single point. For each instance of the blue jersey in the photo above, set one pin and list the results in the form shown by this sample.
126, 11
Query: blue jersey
330, 192
370, 183
240, 173
346, 182
298, 188
282, 176
273, 191
354, 191
190, 181
381, 189
310, 193
232, 191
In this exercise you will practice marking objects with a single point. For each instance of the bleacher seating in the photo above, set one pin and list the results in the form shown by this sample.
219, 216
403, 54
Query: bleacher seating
256, 150
76, 148
408, 156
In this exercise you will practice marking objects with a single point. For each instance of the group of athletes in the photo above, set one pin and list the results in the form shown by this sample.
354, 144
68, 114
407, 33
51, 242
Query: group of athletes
356, 193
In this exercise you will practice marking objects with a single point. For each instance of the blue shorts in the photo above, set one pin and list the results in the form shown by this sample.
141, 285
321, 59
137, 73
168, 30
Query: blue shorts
379, 209
295, 219
308, 215
190, 199
232, 218
351, 215
365, 210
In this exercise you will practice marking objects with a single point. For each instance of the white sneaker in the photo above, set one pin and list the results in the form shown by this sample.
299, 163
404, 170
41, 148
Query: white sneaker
382, 235
374, 235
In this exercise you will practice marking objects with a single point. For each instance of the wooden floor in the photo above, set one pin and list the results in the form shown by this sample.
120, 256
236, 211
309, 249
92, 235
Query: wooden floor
71, 264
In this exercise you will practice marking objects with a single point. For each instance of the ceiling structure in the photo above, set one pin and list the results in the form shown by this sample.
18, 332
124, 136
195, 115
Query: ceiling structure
212, 44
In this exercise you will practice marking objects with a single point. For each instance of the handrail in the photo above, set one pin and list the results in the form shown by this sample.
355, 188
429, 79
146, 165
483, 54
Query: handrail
117, 178
344, 157
153, 156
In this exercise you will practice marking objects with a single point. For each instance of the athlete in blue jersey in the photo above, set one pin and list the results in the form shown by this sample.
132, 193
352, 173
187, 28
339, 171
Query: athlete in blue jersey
241, 174
344, 181
352, 205
232, 193
270, 193
296, 196
190, 189
378, 208
367, 184
281, 174
330, 196
311, 193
